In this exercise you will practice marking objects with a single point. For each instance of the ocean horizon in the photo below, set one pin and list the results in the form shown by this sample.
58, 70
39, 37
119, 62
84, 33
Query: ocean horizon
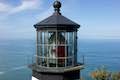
16, 55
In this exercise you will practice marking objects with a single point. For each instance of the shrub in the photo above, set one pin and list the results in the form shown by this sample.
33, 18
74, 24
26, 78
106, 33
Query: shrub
100, 74
116, 76
103, 74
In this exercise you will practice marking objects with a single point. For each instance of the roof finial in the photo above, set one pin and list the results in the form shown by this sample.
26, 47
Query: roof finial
57, 6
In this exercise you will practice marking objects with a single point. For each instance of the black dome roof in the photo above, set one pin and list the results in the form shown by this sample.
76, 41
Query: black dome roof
56, 20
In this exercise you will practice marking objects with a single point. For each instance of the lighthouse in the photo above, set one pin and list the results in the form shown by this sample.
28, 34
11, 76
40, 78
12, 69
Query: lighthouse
56, 48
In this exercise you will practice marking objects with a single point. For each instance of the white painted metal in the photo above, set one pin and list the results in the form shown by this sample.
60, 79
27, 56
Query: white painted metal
33, 78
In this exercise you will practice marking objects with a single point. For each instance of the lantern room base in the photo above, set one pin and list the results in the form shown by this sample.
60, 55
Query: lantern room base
43, 69
43, 73
57, 76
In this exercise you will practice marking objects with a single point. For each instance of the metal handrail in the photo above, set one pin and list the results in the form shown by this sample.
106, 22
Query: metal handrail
53, 58
44, 58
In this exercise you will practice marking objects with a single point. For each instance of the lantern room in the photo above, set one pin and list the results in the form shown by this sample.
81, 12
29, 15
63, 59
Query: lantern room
56, 40
56, 47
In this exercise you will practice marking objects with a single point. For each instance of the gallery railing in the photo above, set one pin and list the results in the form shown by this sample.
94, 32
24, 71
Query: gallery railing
56, 61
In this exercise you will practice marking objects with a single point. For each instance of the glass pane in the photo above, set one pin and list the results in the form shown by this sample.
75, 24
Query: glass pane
52, 49
61, 49
38, 48
61, 38
43, 46
69, 61
70, 43
42, 37
75, 47
45, 49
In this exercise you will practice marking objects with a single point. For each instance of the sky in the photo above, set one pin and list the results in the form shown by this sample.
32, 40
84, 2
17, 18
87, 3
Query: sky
99, 19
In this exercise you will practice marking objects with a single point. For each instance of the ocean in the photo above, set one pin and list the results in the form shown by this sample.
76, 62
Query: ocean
16, 55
